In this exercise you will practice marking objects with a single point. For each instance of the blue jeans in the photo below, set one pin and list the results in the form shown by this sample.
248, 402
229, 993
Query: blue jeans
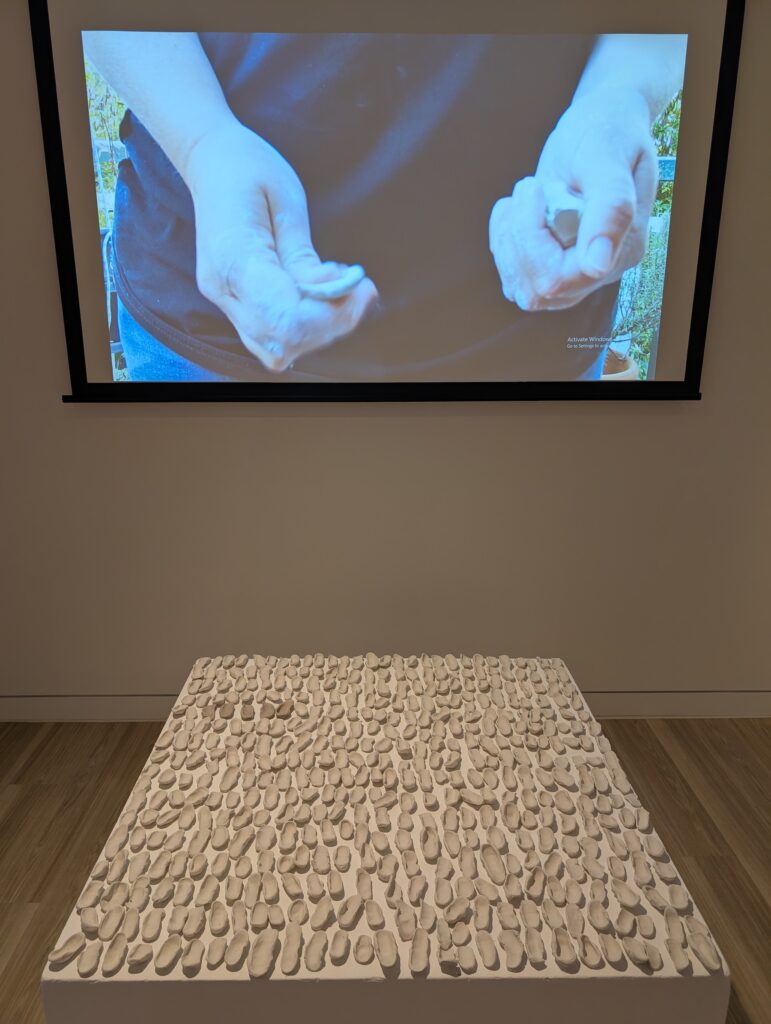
147, 359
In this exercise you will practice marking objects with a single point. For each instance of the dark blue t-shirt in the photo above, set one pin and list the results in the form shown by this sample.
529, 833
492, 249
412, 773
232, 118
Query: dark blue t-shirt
403, 144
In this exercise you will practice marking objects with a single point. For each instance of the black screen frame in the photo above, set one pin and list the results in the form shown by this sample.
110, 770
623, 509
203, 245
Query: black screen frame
83, 390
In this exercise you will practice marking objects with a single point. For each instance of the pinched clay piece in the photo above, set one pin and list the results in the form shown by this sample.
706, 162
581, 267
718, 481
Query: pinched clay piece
215, 954
89, 922
324, 914
349, 912
626, 896
68, 950
636, 951
363, 950
487, 950
262, 954
679, 956
115, 955
90, 896
674, 926
140, 956
611, 949
405, 921
374, 914
598, 916
704, 949
110, 924
589, 953
458, 910
168, 954
493, 864
385, 949
467, 961
536, 953
513, 948
290, 954
679, 898
88, 961
315, 952
339, 948
237, 949
193, 957
562, 949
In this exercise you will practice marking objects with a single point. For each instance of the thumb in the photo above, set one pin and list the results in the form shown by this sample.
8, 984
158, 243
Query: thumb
291, 229
610, 201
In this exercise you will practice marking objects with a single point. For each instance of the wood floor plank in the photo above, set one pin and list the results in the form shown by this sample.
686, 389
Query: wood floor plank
15, 919
732, 788
736, 1012
740, 921
94, 815
62, 787
18, 742
681, 823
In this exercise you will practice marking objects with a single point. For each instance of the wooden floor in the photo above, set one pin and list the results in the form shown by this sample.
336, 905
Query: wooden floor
707, 784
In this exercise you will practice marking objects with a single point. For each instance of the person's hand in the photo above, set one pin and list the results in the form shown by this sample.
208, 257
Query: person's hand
600, 149
254, 249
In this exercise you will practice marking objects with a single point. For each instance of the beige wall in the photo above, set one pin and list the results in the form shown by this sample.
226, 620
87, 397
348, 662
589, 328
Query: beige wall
632, 540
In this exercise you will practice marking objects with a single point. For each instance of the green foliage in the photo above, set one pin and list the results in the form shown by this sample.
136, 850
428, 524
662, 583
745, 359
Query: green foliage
642, 287
666, 135
663, 201
640, 297
666, 128
105, 109
105, 112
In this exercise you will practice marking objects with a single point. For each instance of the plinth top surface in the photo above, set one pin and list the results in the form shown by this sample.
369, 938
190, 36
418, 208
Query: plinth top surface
382, 817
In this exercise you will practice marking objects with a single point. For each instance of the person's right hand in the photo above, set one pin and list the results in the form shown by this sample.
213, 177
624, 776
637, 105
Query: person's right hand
600, 149
254, 248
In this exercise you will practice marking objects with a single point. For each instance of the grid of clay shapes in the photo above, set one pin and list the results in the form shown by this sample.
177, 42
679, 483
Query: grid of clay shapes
383, 816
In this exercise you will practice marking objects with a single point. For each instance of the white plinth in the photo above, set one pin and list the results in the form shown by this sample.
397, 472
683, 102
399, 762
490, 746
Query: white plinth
504, 864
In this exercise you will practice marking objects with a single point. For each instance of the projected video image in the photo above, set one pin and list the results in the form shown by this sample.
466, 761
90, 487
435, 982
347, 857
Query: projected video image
384, 207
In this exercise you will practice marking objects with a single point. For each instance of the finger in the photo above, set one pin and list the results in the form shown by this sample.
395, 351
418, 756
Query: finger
291, 228
574, 284
315, 324
504, 252
331, 287
609, 211
528, 257
320, 322
646, 180
260, 304
577, 283
320, 273
278, 326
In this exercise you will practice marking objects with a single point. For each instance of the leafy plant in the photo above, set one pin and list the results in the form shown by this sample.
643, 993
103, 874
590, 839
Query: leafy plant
105, 111
666, 128
642, 288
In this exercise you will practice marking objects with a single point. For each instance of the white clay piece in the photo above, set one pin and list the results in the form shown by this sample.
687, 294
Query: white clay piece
336, 288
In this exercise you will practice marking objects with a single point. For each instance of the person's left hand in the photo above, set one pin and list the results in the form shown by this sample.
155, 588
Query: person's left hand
601, 149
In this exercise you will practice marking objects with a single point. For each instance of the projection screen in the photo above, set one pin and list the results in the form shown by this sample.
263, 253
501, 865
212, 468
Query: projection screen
419, 200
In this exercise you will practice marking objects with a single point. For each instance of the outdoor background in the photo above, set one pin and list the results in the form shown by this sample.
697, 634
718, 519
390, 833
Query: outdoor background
635, 331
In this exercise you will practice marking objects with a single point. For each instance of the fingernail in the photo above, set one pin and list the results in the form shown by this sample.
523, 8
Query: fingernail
599, 256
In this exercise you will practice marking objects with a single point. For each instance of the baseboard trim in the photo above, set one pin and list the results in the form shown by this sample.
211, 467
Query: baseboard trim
86, 708
680, 704
604, 704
